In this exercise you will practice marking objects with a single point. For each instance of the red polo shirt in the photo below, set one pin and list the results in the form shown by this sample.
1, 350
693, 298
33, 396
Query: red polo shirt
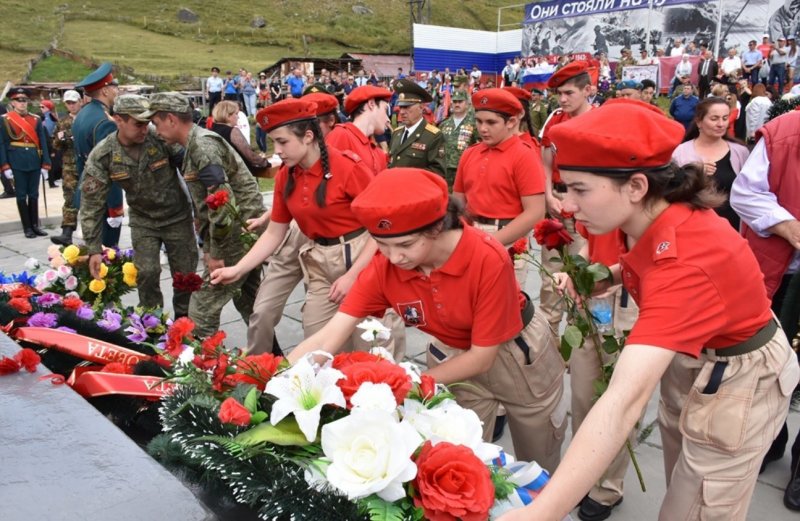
605, 248
473, 299
494, 179
349, 178
696, 282
559, 116
349, 137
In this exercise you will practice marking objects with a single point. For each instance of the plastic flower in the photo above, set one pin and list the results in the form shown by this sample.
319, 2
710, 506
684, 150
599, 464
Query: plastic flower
47, 300
64, 271
53, 251
217, 200
129, 280
111, 320
551, 234
32, 263
110, 253
374, 397
374, 330
71, 253
50, 276
97, 286
129, 273
85, 312
370, 453
57, 262
71, 283
302, 391
103, 271
40, 319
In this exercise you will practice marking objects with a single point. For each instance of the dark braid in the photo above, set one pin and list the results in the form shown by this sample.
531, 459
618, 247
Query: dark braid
526, 108
299, 129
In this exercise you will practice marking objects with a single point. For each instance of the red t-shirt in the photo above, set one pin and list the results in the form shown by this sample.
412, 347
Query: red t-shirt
696, 282
605, 248
494, 179
558, 116
349, 137
473, 299
349, 178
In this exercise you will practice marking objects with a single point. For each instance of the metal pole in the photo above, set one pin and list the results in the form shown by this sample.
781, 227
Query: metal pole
719, 31
649, 12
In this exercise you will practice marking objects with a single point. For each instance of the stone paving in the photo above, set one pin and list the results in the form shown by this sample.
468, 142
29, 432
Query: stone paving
767, 503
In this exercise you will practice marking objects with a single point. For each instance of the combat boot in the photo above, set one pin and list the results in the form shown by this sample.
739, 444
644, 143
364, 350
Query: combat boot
25, 217
33, 209
65, 239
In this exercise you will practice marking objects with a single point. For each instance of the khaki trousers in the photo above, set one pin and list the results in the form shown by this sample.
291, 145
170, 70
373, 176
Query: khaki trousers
532, 393
520, 265
584, 369
282, 276
714, 443
322, 265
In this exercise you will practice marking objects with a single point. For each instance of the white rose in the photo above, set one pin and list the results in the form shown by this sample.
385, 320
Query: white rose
50, 276
71, 283
370, 453
64, 271
374, 397
31, 264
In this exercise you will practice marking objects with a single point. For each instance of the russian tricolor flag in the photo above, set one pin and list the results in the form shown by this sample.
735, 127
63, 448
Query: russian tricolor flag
537, 80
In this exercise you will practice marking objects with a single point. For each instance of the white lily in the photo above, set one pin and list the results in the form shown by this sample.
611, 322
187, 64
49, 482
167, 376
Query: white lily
412, 370
302, 391
374, 331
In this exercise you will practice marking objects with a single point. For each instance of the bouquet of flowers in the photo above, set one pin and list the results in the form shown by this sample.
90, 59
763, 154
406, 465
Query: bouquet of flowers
223, 213
353, 436
69, 273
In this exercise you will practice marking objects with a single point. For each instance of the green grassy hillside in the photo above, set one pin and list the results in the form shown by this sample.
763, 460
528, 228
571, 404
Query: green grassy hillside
147, 36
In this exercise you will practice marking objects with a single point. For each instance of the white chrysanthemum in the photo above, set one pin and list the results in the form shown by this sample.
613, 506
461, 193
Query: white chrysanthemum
374, 331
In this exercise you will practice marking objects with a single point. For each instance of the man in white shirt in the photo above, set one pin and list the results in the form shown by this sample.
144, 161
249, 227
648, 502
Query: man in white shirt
677, 48
644, 59
732, 65
213, 89
475, 77
682, 72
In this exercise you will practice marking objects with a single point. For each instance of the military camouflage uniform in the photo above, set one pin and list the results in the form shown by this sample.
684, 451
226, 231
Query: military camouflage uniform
210, 165
69, 172
456, 140
160, 212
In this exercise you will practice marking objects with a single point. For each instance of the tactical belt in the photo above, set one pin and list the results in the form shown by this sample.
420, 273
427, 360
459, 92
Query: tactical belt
527, 315
491, 221
325, 241
23, 145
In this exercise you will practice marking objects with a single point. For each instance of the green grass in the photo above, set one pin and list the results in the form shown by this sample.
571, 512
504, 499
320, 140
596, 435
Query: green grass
58, 68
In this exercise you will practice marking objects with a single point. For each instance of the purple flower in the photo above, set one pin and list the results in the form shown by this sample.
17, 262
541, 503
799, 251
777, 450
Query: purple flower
85, 312
105, 255
111, 320
137, 330
67, 329
150, 321
47, 300
40, 319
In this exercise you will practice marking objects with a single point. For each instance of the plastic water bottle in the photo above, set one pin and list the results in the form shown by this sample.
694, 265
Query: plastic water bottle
602, 313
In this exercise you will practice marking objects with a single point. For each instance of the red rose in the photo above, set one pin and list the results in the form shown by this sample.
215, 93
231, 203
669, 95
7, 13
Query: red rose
217, 200
551, 234
233, 412
452, 483
256, 370
21, 292
8, 366
117, 368
187, 282
202, 363
378, 372
343, 360
28, 358
211, 343
519, 247
20, 305
427, 388
72, 303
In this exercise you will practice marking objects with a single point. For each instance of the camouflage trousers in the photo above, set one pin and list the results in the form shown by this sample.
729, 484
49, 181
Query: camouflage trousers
206, 305
181, 246
69, 182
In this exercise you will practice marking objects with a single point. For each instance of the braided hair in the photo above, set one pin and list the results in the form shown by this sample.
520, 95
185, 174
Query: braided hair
526, 118
299, 129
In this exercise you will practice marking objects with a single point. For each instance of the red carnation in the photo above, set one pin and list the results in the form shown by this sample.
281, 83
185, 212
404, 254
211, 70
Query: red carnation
117, 368
72, 303
551, 234
179, 330
21, 292
8, 366
20, 305
187, 282
452, 483
427, 388
220, 370
211, 343
202, 363
343, 360
217, 200
28, 358
519, 247
234, 413
378, 372
256, 370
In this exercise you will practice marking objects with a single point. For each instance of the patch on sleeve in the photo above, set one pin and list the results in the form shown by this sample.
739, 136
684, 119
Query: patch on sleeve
91, 185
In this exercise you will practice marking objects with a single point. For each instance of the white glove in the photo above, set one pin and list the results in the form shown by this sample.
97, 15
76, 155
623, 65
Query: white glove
275, 161
114, 222
8, 173
45, 174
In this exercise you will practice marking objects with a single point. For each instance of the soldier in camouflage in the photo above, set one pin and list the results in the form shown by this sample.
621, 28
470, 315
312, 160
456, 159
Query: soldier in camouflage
460, 132
69, 173
209, 166
160, 212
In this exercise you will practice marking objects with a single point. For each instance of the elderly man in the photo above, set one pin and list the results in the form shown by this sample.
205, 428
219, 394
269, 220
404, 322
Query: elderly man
682, 72
732, 65
416, 143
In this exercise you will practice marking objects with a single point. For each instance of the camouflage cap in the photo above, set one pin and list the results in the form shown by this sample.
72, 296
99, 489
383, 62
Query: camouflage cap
133, 105
459, 95
167, 102
460, 79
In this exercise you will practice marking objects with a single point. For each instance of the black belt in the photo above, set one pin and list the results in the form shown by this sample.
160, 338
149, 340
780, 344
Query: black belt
325, 241
560, 187
527, 315
492, 221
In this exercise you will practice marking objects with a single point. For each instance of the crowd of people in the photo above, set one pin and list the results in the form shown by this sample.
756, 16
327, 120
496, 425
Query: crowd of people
413, 225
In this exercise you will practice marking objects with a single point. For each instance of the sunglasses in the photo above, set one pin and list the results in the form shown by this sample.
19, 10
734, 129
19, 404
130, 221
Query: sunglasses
21, 100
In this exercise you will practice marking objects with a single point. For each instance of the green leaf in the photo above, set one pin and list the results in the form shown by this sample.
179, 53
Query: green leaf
573, 336
258, 417
251, 401
381, 510
584, 283
599, 387
610, 345
598, 271
286, 433
566, 349
240, 393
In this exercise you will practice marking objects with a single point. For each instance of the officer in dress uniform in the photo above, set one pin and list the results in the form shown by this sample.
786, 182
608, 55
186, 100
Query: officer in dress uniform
24, 157
63, 141
160, 211
415, 143
460, 133
91, 125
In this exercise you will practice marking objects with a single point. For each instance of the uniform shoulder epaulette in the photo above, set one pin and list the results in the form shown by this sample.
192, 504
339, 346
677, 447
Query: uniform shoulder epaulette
351, 155
399, 129
433, 129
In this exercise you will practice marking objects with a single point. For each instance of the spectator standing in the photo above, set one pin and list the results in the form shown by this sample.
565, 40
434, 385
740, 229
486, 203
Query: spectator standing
683, 107
230, 87
63, 141
733, 103
791, 61
296, 83
275, 91
214, 85
731, 65
677, 48
752, 59
226, 116
757, 111
765, 47
707, 71
682, 72
778, 57
475, 77
249, 93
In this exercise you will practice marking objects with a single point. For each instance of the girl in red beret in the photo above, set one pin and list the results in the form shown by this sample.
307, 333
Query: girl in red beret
529, 134
315, 187
705, 331
457, 284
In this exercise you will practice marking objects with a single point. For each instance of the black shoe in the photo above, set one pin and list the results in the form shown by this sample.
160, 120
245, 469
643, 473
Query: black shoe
65, 239
33, 212
591, 510
791, 498
29, 233
499, 427
6, 195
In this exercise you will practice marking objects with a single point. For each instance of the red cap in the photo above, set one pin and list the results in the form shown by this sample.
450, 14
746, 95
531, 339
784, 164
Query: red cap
401, 201
520, 94
285, 112
363, 94
326, 103
567, 72
49, 104
644, 138
497, 100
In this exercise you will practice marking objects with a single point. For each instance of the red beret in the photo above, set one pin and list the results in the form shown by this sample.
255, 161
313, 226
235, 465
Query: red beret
401, 201
49, 104
285, 112
520, 94
363, 94
497, 100
567, 72
640, 138
326, 103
